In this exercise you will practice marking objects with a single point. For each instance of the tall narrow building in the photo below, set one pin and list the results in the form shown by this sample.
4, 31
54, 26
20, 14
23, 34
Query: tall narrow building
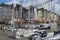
18, 12
5, 12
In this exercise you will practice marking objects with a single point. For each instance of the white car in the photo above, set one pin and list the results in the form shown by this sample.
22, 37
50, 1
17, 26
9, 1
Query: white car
26, 33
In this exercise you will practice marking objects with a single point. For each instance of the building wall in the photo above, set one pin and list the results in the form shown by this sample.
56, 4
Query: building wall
21, 12
58, 25
1, 15
49, 16
56, 17
25, 13
31, 13
35, 17
5, 13
39, 14
18, 12
45, 16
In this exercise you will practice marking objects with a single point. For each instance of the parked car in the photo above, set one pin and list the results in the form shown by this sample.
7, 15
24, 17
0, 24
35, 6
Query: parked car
39, 36
43, 27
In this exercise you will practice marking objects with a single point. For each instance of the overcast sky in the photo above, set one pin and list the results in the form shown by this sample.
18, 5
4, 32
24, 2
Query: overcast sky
50, 6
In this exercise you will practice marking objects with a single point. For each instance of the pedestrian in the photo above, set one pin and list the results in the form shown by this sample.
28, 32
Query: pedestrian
1, 27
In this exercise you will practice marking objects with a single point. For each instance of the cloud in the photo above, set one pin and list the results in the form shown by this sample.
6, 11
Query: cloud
57, 8
53, 6
27, 3
13, 2
34, 2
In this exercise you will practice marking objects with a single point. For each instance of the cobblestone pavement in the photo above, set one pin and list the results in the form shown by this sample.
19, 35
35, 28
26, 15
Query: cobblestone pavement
6, 35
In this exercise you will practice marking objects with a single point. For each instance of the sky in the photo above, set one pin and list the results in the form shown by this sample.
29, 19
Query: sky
53, 6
